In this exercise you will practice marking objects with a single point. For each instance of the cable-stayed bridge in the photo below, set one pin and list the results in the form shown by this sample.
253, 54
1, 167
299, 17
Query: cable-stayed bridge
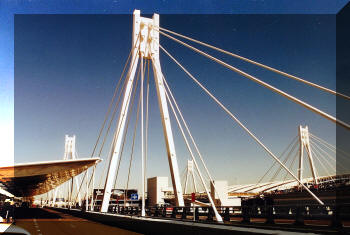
307, 167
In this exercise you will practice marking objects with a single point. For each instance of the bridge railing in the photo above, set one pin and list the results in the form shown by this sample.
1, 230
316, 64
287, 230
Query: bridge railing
334, 214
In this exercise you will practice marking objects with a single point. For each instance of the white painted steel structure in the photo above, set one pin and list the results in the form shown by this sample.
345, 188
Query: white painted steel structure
305, 143
280, 185
69, 154
190, 173
117, 141
145, 45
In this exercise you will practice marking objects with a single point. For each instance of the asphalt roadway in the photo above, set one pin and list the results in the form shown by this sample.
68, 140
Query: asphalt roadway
40, 221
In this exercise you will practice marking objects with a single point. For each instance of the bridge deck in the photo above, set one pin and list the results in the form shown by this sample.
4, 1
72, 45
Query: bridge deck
39, 221
159, 225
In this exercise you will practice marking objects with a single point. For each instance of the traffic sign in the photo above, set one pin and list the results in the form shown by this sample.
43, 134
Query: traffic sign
134, 197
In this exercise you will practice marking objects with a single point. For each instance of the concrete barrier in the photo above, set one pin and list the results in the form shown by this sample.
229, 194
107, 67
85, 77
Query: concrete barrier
156, 226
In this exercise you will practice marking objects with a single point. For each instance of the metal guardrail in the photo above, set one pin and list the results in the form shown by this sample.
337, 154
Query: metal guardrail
295, 214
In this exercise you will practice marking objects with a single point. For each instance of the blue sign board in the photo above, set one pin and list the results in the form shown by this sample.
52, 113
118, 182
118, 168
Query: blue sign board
134, 196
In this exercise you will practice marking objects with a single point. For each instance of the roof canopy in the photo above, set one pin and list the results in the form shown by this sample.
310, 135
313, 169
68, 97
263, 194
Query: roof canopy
30, 179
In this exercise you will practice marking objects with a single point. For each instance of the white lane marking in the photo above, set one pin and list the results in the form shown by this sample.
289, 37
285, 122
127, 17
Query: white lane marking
37, 226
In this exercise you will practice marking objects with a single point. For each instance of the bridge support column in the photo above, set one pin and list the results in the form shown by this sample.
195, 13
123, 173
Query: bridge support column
117, 141
168, 134
145, 46
305, 142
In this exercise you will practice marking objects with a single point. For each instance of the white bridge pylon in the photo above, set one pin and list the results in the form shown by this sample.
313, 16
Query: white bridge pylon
305, 143
145, 46
69, 154
190, 173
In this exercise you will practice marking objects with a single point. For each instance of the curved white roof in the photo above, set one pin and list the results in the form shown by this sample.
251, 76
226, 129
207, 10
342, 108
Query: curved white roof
30, 179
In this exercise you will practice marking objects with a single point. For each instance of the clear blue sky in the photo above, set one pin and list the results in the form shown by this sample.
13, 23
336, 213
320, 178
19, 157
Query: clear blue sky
66, 67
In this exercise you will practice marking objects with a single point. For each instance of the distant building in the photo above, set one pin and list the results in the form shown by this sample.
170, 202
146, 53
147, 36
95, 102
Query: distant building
219, 193
157, 190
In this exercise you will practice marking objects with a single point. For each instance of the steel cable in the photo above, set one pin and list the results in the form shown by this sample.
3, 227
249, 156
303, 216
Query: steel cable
240, 124
278, 91
259, 64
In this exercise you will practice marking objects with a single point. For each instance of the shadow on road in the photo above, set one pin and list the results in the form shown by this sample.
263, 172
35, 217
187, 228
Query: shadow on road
34, 213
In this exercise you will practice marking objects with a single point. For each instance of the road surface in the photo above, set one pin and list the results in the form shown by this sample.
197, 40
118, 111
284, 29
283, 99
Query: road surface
40, 221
